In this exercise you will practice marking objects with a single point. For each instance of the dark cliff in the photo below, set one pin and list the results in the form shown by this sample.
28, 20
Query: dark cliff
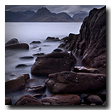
90, 44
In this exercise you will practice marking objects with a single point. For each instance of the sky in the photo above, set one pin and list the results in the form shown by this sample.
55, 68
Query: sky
70, 9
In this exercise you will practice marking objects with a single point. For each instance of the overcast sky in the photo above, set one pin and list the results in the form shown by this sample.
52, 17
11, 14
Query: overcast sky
70, 9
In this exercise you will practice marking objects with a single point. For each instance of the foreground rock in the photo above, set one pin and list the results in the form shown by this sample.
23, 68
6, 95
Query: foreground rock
28, 100
71, 82
95, 99
85, 69
51, 63
15, 84
18, 46
8, 100
12, 41
68, 99
90, 44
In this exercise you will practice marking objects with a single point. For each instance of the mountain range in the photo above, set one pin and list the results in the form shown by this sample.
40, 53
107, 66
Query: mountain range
43, 15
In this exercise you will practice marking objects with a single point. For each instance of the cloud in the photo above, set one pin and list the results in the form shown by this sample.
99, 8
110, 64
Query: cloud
70, 9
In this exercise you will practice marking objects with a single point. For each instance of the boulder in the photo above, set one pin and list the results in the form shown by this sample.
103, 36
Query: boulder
12, 41
21, 65
15, 84
67, 99
71, 82
21, 46
85, 69
35, 42
38, 54
52, 39
95, 99
28, 100
8, 100
51, 63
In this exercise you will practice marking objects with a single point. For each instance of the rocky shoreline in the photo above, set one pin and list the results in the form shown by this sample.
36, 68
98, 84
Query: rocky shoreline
68, 83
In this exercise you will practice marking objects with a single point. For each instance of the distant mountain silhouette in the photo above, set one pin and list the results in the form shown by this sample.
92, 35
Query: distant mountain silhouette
79, 16
43, 15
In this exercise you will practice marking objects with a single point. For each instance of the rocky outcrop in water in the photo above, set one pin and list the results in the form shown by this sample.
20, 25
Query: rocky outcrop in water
51, 63
90, 44
71, 82
12, 41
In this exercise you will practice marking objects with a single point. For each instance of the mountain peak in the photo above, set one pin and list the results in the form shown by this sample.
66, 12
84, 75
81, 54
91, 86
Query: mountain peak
43, 11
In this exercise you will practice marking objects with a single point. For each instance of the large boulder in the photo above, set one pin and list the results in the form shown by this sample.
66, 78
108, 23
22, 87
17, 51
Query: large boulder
18, 46
12, 41
71, 82
51, 63
67, 99
28, 100
15, 84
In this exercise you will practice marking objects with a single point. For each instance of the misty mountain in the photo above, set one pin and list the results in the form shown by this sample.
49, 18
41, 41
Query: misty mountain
43, 15
79, 16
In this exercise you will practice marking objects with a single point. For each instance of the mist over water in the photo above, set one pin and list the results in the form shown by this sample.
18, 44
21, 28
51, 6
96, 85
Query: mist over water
26, 33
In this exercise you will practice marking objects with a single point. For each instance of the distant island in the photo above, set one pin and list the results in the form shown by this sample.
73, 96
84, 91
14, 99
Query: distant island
43, 15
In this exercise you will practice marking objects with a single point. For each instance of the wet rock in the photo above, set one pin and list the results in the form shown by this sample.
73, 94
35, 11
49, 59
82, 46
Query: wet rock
104, 103
36, 88
90, 43
26, 76
51, 63
71, 82
20, 46
52, 39
102, 95
38, 54
67, 99
37, 95
95, 99
12, 41
85, 69
8, 100
35, 42
15, 84
27, 57
83, 98
21, 65
28, 100
58, 50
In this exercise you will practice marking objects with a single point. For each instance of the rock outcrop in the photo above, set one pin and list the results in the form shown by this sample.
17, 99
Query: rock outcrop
28, 100
51, 63
71, 82
61, 99
12, 41
90, 44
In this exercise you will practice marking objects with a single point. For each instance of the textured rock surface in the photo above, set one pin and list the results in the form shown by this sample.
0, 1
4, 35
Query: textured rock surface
51, 63
71, 82
28, 100
90, 44
15, 84
12, 41
68, 99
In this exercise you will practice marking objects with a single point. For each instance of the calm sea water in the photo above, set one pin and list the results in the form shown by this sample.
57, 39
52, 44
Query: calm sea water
28, 32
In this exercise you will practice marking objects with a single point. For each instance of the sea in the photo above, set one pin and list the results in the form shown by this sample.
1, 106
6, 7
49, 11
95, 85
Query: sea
26, 32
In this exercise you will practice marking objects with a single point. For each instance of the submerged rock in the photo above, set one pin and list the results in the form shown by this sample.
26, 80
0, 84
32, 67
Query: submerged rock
28, 100
21, 65
71, 82
12, 41
51, 63
60, 99
35, 42
20, 46
85, 69
52, 39
27, 57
